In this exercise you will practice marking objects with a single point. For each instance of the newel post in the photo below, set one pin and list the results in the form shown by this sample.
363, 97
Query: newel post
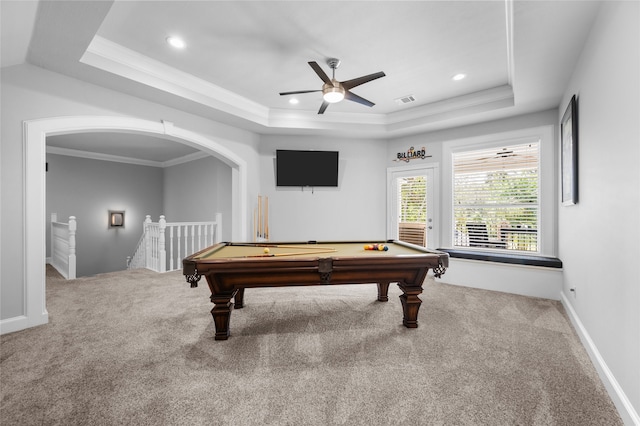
54, 218
162, 252
147, 241
72, 247
218, 231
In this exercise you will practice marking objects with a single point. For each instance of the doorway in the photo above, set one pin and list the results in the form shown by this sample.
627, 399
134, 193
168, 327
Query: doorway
35, 134
412, 214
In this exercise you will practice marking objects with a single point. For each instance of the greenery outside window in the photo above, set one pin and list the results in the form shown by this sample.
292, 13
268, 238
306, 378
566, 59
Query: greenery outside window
496, 195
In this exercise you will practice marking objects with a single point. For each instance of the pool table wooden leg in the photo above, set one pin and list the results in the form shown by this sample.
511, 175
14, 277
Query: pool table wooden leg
222, 314
410, 304
383, 292
239, 299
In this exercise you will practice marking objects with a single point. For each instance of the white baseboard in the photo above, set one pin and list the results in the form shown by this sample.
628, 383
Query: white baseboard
625, 409
22, 322
532, 281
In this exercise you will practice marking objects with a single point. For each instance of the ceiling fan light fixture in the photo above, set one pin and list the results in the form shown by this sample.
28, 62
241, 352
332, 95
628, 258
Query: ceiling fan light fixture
176, 42
332, 93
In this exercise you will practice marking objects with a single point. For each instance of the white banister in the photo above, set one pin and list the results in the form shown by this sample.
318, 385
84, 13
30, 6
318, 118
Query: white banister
63, 246
163, 245
73, 226
162, 252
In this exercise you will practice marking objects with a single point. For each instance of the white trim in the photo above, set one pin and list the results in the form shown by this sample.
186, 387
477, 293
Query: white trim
184, 159
548, 171
35, 133
127, 160
616, 393
525, 280
108, 56
509, 19
435, 196
119, 60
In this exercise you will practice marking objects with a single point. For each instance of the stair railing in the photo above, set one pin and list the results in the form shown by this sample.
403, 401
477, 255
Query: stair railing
164, 244
63, 246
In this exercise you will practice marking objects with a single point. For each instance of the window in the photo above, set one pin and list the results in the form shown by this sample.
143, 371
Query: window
412, 209
496, 197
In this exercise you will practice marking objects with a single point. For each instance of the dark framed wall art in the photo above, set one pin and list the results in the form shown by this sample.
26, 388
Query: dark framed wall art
569, 152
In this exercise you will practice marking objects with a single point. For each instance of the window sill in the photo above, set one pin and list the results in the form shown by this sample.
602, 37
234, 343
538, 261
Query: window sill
512, 258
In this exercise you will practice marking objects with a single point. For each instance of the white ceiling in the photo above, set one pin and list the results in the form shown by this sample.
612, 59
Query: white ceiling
518, 57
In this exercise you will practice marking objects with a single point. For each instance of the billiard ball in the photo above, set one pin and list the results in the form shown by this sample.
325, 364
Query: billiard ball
266, 250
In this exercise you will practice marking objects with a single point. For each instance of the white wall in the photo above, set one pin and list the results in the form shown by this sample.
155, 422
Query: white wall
196, 191
355, 210
598, 237
524, 280
434, 142
88, 189
30, 93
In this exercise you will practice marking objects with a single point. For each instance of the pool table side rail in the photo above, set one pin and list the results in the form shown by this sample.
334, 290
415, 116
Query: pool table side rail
196, 264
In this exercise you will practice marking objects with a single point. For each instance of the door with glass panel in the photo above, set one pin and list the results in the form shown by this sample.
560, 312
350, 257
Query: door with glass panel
411, 213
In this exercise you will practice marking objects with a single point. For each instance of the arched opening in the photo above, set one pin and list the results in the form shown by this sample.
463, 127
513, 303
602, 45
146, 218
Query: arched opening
35, 133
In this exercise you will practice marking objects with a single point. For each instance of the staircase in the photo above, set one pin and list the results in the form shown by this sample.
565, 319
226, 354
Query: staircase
63, 246
163, 244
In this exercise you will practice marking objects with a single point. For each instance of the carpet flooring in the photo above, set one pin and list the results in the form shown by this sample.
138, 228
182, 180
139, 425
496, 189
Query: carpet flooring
137, 348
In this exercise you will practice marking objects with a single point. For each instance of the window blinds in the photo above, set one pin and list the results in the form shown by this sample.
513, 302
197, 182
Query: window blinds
412, 202
497, 189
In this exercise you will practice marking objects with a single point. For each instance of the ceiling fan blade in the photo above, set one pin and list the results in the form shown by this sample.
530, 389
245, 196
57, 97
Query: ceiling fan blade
323, 107
355, 98
298, 92
349, 84
323, 76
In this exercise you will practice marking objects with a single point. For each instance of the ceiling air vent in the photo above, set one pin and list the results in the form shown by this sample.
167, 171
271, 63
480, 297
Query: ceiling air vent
405, 100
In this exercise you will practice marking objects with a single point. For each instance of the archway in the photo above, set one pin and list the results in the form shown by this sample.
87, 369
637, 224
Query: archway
35, 133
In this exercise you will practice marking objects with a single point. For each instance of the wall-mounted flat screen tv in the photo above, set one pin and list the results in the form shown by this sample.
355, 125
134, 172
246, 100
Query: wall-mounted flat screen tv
306, 168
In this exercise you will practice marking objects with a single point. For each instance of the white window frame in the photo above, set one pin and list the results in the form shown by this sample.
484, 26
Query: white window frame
433, 239
547, 240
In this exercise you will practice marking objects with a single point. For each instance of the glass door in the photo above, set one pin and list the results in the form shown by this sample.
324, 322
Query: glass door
411, 217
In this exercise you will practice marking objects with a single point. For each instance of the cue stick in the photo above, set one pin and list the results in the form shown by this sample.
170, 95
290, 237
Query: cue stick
289, 254
259, 216
255, 229
266, 218
318, 249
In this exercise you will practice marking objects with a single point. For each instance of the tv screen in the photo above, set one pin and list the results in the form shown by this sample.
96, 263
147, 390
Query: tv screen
306, 168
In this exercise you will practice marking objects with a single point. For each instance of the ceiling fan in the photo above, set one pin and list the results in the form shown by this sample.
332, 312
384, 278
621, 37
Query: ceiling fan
333, 90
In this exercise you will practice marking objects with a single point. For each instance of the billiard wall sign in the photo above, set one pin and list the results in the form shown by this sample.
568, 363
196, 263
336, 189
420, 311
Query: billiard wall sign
412, 154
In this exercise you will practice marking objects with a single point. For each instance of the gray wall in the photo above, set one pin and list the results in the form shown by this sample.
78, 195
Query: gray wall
88, 189
196, 191
31, 93
598, 237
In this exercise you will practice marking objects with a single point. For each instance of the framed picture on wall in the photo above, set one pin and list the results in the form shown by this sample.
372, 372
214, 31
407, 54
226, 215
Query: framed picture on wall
569, 152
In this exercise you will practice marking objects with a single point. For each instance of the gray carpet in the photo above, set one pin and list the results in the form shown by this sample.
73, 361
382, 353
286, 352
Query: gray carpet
137, 348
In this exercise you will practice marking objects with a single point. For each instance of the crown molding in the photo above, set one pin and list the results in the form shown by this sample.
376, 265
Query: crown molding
127, 160
116, 59
119, 60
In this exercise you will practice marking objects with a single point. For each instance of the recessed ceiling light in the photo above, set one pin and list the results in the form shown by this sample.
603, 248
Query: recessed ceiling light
458, 77
293, 101
176, 42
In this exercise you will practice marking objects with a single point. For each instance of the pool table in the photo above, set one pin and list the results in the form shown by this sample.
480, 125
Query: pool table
229, 268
